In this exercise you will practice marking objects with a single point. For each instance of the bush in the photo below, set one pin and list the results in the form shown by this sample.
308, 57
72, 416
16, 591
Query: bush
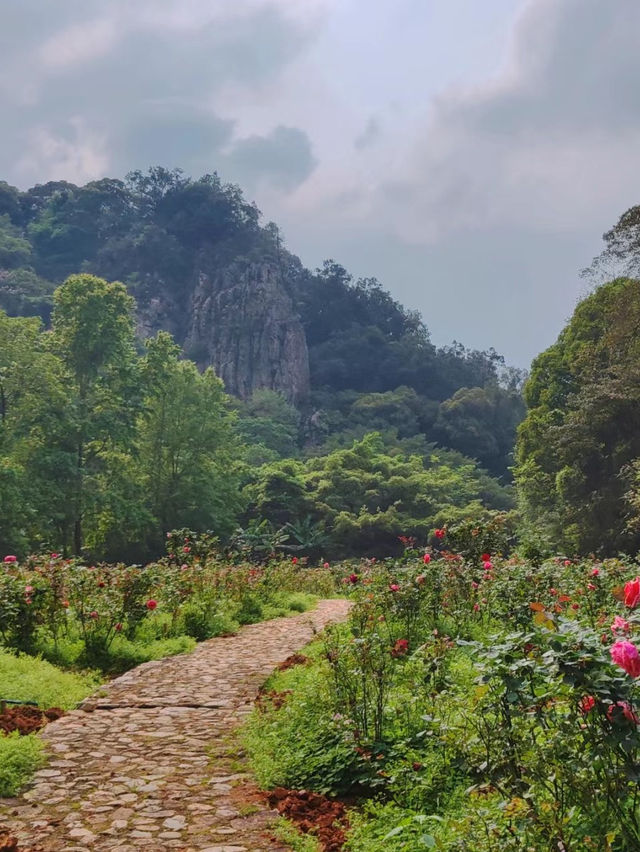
19, 758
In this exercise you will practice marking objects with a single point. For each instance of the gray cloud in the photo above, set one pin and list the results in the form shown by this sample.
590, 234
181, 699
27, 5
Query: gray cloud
91, 87
554, 138
282, 159
370, 134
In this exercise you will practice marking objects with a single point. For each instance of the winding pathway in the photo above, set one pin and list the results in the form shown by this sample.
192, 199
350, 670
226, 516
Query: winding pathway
148, 762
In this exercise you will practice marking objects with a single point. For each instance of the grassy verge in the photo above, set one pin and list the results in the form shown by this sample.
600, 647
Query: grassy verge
19, 759
25, 678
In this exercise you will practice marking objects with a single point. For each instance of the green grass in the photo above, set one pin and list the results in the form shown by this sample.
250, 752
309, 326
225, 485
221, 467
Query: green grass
19, 759
287, 833
25, 678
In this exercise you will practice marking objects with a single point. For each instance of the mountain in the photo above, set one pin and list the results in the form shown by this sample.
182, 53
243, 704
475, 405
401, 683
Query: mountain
200, 265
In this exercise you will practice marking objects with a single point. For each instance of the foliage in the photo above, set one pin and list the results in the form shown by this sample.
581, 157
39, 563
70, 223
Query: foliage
479, 703
158, 231
366, 496
581, 436
19, 758
114, 616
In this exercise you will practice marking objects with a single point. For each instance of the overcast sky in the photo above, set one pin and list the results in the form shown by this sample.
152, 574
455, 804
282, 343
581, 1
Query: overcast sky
468, 154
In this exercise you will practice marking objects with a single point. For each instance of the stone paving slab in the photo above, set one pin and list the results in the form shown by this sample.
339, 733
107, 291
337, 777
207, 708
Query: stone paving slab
145, 762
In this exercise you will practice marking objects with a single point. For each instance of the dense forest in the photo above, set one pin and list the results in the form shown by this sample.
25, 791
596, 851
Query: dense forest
111, 436
119, 422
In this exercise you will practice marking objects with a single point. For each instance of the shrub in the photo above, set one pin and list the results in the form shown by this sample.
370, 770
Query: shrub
19, 758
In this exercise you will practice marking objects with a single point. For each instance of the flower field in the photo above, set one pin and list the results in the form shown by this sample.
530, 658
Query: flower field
473, 702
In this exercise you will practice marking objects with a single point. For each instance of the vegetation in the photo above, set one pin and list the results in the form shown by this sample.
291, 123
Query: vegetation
579, 445
473, 702
105, 449
65, 623
373, 367
19, 759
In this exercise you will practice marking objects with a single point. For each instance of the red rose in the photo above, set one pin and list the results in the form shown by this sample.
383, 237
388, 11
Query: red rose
93, 614
294, 561
485, 557
586, 704
151, 604
118, 627
400, 648
439, 533
11, 559
353, 579
631, 592
426, 558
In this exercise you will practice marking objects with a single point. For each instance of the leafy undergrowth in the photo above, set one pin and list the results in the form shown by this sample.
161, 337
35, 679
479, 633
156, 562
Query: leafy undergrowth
19, 758
471, 704
287, 833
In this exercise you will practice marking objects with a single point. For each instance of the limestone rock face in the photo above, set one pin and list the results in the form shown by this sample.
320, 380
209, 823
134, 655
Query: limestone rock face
242, 321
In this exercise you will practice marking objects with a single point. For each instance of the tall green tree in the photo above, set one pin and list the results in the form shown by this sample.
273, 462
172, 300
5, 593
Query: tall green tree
582, 430
187, 450
93, 334
32, 401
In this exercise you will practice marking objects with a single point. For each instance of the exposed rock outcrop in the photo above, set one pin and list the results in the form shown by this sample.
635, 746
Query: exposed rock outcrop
243, 322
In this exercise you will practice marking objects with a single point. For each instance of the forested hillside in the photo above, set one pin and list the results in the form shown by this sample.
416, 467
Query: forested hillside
313, 360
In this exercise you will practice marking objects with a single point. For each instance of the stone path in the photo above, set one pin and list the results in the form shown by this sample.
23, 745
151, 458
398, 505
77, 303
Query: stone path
147, 763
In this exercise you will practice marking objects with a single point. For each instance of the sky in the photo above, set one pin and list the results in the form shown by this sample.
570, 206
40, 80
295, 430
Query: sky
467, 154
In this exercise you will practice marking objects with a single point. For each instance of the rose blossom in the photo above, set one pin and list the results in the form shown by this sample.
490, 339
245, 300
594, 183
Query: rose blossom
626, 656
632, 593
620, 625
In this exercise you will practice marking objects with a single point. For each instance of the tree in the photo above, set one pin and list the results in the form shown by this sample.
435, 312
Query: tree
582, 430
188, 454
481, 423
93, 335
31, 400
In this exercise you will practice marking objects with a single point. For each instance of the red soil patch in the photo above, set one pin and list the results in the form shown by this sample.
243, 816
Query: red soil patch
26, 720
313, 814
290, 662
271, 699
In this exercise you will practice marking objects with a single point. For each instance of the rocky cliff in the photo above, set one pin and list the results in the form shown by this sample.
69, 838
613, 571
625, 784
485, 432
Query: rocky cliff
242, 321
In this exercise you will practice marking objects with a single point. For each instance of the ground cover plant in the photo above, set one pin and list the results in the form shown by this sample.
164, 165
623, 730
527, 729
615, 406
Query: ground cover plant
475, 701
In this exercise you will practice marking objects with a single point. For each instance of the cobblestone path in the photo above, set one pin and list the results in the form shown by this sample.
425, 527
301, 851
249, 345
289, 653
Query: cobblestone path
146, 763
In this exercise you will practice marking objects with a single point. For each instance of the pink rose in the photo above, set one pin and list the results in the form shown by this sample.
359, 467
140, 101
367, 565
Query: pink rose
394, 587
11, 559
626, 656
620, 625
